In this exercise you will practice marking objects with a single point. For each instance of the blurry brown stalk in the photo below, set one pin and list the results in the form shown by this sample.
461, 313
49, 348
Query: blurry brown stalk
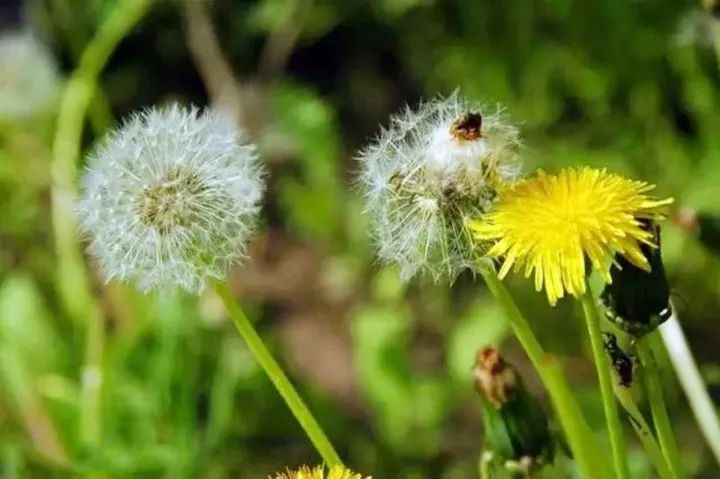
228, 92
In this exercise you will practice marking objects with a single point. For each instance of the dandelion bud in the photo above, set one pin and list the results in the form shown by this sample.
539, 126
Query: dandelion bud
28, 77
170, 198
319, 472
638, 299
516, 427
428, 173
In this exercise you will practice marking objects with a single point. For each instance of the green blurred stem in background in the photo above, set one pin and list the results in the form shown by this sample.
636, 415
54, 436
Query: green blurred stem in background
602, 364
691, 380
281, 382
583, 443
653, 386
72, 279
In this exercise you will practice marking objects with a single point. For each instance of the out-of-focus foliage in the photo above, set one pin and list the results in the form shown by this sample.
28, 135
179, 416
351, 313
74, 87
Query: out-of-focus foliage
631, 86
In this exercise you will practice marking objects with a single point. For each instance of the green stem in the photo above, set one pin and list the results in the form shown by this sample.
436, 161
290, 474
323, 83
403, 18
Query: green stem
583, 443
100, 112
688, 374
643, 432
277, 376
92, 379
72, 281
657, 406
72, 278
602, 364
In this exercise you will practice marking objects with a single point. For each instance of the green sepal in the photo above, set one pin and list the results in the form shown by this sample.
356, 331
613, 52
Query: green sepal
517, 429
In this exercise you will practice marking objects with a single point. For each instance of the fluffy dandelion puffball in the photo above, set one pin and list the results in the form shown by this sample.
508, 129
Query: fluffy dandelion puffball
427, 174
550, 225
28, 76
319, 472
170, 198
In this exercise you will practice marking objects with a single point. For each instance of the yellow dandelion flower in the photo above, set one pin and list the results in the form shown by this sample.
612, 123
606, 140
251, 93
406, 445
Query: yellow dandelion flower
552, 224
319, 472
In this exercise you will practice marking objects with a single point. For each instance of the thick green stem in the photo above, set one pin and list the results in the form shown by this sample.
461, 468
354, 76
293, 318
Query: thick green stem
602, 364
72, 279
583, 443
660, 416
277, 376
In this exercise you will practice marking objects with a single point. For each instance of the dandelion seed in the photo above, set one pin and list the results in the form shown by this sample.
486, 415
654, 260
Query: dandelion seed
427, 174
319, 472
28, 77
550, 225
170, 198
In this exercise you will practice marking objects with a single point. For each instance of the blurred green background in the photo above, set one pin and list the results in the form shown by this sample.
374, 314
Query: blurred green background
633, 86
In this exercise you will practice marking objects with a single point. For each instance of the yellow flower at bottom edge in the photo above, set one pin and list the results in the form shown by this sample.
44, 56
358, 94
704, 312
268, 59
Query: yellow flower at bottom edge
549, 224
319, 472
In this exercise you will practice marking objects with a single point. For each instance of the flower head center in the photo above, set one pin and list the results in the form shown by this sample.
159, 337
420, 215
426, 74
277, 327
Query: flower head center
170, 202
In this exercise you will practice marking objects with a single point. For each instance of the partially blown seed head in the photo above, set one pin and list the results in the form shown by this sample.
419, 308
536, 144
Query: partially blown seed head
28, 76
429, 172
171, 198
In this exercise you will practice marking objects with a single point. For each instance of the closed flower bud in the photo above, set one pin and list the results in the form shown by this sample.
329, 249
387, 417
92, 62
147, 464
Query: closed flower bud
171, 198
427, 174
516, 427
637, 299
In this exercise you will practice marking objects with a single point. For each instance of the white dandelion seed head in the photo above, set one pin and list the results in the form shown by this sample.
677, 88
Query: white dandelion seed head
28, 76
429, 172
171, 198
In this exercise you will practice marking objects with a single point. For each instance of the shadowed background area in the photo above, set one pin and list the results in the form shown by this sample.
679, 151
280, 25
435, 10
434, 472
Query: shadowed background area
630, 86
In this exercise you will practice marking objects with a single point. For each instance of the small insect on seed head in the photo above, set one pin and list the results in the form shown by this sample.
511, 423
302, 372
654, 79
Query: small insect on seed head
427, 174
468, 127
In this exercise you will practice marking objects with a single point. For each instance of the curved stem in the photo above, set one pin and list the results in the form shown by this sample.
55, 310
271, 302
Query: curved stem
692, 383
277, 376
582, 441
602, 365
657, 406
73, 284
72, 279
